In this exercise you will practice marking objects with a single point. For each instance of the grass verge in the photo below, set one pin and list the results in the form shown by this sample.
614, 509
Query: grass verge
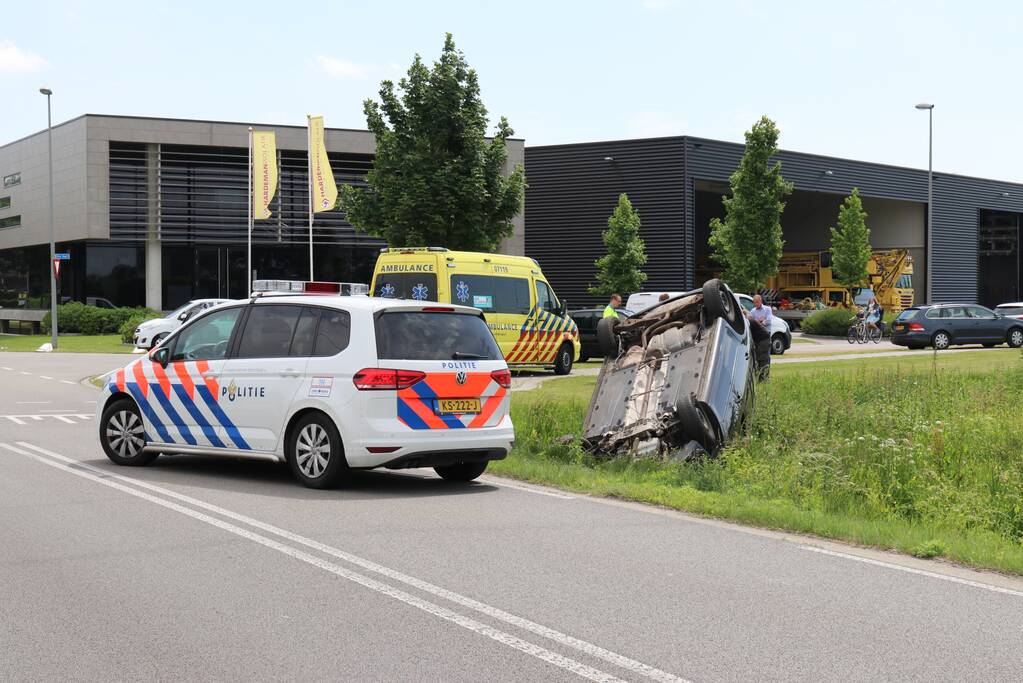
918, 454
100, 343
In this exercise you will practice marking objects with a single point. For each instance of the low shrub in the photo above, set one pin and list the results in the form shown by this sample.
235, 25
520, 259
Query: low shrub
79, 318
127, 330
834, 322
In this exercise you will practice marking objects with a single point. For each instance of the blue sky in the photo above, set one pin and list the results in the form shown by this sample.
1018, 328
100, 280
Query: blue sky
839, 78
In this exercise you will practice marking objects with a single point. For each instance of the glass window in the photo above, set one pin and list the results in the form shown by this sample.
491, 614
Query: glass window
980, 312
268, 331
5, 202
10, 222
207, 338
909, 314
12, 180
334, 333
746, 303
544, 298
1006, 309
491, 294
410, 335
305, 331
953, 312
905, 282
418, 286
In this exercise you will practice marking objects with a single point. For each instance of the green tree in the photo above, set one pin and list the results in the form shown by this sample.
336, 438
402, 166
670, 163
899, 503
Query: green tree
620, 269
436, 179
850, 243
748, 243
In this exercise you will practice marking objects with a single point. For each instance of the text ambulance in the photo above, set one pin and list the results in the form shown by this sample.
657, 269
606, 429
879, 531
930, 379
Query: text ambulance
531, 326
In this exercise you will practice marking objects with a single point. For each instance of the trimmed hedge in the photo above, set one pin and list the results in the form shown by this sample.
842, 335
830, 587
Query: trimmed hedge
128, 326
75, 316
834, 322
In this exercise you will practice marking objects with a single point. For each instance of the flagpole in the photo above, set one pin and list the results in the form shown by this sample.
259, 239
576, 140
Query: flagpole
309, 146
248, 264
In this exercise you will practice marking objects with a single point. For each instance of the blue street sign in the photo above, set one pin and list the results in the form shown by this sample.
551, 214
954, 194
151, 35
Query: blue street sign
62, 256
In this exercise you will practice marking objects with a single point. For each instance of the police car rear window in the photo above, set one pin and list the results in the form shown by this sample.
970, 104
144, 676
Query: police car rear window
414, 335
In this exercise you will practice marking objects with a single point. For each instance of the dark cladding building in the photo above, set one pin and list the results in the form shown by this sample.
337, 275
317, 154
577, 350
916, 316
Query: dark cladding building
154, 212
677, 184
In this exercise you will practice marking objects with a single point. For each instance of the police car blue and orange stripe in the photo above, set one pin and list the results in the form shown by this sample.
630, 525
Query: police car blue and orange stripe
164, 401
418, 409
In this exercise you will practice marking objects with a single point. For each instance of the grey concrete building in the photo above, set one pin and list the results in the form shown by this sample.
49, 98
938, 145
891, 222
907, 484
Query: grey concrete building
154, 212
677, 183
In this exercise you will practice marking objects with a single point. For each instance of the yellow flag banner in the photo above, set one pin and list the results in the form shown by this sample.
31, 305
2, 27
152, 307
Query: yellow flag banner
321, 185
264, 172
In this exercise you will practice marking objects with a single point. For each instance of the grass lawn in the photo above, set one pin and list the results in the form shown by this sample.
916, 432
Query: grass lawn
916, 454
103, 343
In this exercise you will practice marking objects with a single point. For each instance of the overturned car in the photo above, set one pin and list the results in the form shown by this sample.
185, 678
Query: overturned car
677, 380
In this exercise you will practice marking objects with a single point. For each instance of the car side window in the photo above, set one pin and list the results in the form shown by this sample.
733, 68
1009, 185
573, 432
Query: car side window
305, 331
268, 331
746, 303
206, 339
334, 333
544, 298
978, 312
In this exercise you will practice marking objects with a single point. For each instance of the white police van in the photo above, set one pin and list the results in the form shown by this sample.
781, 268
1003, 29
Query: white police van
326, 383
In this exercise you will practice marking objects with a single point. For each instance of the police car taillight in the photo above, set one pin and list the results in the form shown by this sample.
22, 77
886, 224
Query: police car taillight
502, 377
381, 378
309, 287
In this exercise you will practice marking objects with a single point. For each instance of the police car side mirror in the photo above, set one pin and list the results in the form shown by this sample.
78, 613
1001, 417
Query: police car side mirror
161, 355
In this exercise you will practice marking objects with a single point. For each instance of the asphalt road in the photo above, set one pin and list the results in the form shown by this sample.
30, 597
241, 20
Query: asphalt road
198, 568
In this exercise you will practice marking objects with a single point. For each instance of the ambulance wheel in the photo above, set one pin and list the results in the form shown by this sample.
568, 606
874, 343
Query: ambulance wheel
315, 453
123, 435
563, 363
463, 471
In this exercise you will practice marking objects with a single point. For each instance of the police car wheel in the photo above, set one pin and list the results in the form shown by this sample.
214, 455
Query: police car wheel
563, 363
315, 453
463, 471
123, 435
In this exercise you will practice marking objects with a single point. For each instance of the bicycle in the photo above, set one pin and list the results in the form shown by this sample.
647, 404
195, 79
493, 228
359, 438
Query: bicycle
860, 333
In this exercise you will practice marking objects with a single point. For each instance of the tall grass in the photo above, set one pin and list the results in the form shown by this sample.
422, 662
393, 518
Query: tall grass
927, 459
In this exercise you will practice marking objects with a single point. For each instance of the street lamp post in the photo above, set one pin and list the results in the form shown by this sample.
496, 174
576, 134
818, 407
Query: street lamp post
53, 246
930, 195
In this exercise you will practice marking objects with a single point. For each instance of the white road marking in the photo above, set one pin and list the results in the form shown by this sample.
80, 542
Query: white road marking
504, 484
493, 612
914, 570
62, 415
45, 376
502, 637
25, 403
22, 372
64, 418
8, 369
65, 381
15, 420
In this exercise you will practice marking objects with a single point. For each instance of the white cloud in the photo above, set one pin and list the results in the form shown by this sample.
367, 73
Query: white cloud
343, 69
655, 123
14, 60
657, 5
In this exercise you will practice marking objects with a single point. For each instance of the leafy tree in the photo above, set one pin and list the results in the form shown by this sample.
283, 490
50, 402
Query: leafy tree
436, 180
619, 270
850, 243
748, 242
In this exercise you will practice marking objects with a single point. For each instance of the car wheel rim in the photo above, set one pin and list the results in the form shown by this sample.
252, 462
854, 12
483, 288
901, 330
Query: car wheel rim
1016, 338
565, 360
312, 450
941, 341
125, 434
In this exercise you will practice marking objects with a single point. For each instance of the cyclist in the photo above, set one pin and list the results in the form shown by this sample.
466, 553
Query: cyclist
873, 313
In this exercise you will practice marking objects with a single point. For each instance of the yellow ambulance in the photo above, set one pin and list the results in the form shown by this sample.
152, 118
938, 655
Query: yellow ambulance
530, 324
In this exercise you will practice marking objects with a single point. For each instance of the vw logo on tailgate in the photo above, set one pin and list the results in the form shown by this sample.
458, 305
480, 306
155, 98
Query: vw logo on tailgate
461, 377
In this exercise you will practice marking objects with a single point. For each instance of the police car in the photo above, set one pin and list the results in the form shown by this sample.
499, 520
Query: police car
326, 383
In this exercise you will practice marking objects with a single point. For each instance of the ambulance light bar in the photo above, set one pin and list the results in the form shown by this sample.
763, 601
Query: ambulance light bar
309, 287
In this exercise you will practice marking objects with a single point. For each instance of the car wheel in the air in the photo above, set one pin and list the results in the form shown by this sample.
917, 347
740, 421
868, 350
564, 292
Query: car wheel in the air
123, 434
778, 344
719, 302
315, 452
1015, 337
607, 340
463, 471
941, 340
695, 423
563, 362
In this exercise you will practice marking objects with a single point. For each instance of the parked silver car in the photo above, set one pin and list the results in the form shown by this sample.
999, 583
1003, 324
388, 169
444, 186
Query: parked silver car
677, 380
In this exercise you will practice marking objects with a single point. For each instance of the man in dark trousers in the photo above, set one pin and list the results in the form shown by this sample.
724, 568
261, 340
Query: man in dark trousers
760, 318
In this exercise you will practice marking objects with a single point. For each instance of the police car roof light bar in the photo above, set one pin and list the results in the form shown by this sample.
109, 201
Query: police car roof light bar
260, 287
